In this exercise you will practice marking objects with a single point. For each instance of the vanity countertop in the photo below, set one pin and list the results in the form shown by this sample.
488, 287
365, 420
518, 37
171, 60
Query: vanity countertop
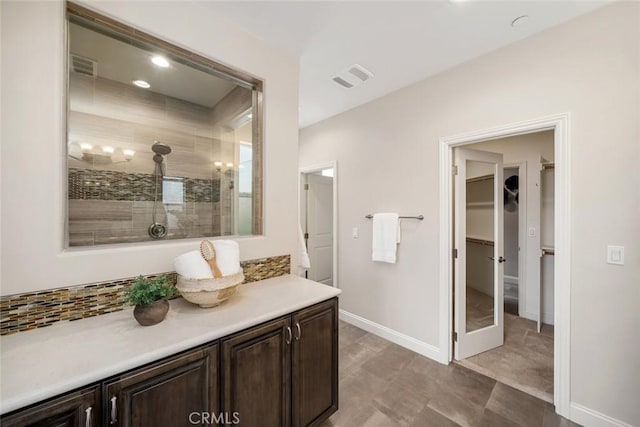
43, 363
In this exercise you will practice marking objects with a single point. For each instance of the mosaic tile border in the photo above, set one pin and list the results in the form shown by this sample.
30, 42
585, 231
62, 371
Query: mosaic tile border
92, 184
32, 310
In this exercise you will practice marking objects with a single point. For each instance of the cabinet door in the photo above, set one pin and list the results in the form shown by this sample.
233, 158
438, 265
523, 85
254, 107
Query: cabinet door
76, 409
315, 364
256, 375
177, 392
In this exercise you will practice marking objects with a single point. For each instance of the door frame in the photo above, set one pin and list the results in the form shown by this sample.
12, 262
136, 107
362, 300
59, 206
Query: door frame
333, 164
560, 124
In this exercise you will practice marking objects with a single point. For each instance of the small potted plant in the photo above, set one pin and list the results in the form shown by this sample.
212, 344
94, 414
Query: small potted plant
150, 299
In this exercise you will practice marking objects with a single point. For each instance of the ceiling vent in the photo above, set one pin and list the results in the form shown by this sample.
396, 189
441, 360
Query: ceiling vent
84, 66
352, 76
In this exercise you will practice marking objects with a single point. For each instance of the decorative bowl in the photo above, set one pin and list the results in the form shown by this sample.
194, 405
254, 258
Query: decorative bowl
209, 292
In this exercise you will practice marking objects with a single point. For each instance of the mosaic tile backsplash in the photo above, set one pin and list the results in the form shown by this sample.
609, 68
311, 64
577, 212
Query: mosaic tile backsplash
91, 184
23, 312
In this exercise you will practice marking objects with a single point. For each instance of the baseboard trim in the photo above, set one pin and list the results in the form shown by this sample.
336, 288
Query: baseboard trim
588, 417
396, 337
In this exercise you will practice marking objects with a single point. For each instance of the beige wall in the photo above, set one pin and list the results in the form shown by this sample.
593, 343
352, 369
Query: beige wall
33, 146
387, 153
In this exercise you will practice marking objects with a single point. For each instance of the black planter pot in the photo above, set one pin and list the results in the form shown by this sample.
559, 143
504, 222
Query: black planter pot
150, 314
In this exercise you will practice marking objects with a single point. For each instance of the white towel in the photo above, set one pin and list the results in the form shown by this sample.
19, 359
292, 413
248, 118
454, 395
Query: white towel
304, 263
386, 236
227, 256
192, 265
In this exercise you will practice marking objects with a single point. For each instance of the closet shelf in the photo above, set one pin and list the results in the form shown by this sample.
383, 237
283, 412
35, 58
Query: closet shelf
480, 204
480, 241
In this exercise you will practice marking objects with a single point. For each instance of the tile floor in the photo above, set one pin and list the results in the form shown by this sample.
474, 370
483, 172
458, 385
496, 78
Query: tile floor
525, 361
383, 384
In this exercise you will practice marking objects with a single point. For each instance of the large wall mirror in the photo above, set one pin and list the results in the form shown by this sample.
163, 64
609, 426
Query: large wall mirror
161, 143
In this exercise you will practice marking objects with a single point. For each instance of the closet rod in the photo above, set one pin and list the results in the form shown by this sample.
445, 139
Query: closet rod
419, 217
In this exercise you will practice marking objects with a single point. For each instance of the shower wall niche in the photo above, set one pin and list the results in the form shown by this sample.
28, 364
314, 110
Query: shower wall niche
205, 180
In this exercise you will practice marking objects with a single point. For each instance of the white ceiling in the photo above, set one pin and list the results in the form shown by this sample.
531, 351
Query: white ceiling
400, 42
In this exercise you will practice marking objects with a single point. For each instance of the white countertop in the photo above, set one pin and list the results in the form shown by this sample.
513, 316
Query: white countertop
42, 363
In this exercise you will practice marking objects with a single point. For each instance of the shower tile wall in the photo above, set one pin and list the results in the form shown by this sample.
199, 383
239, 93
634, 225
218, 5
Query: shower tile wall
112, 202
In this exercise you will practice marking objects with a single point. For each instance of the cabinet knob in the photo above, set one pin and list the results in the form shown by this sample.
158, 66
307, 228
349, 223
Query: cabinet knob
290, 335
87, 421
298, 332
114, 410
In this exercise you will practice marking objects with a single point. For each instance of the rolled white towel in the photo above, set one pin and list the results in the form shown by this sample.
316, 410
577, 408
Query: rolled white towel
227, 256
192, 265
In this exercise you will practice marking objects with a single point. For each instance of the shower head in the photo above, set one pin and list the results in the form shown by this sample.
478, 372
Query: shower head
160, 148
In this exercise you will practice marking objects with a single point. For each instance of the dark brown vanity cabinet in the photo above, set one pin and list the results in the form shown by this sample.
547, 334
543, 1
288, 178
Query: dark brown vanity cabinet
315, 364
177, 392
285, 372
280, 373
76, 409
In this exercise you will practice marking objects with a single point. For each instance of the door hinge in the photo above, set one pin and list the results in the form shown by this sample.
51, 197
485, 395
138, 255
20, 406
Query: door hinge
306, 186
455, 336
455, 254
306, 235
454, 170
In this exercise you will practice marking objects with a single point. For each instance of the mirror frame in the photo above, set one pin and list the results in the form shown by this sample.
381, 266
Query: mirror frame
242, 78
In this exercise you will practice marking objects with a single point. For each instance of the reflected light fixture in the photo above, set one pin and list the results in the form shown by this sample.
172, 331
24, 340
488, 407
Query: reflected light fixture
100, 154
141, 83
160, 61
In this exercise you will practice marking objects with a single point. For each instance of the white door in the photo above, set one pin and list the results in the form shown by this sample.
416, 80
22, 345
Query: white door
478, 239
319, 227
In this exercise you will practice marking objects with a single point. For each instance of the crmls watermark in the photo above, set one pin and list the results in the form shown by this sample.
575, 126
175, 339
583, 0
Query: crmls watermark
211, 418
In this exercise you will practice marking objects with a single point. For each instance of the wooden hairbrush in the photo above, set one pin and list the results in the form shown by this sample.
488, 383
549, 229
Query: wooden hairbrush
208, 252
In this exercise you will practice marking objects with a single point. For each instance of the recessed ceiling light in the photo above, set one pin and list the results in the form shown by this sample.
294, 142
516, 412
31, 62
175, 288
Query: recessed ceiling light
160, 61
142, 84
519, 21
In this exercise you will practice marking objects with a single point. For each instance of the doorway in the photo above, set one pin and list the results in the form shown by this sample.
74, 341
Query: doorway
558, 125
318, 221
521, 355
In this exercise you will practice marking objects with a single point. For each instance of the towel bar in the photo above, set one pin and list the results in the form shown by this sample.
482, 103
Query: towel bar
419, 217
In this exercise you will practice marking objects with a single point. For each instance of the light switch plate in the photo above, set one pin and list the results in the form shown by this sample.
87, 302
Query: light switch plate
615, 255
532, 232
355, 232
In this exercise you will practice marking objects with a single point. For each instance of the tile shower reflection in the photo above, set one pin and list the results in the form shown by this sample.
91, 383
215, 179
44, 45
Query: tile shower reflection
112, 127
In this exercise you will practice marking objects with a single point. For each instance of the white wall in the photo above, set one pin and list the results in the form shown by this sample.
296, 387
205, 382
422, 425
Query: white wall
388, 156
33, 126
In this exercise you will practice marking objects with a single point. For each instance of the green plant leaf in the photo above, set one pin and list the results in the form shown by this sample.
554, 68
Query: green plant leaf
145, 291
